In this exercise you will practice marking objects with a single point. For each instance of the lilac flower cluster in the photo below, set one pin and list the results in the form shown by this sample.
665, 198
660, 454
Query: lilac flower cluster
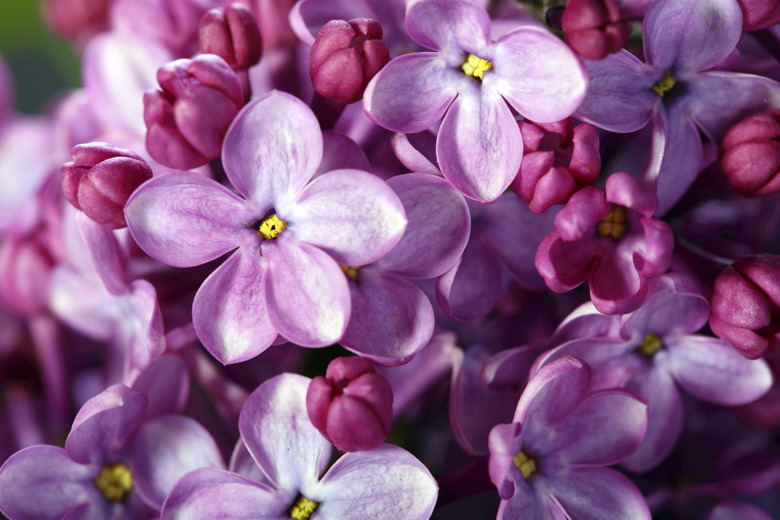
395, 259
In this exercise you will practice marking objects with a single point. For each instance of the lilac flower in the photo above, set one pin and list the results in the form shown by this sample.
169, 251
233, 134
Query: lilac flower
675, 89
283, 456
468, 80
654, 350
289, 234
549, 462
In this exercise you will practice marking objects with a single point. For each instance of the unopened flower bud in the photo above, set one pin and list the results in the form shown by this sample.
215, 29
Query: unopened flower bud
759, 14
558, 160
187, 121
100, 179
232, 34
595, 28
750, 154
344, 58
352, 407
745, 305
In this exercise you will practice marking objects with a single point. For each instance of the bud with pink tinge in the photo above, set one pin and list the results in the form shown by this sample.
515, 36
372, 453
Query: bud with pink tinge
595, 28
100, 179
352, 407
759, 14
745, 305
750, 154
186, 122
232, 34
344, 58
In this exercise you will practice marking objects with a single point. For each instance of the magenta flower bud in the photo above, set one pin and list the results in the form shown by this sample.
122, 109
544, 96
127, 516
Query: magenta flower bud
187, 121
232, 34
745, 305
352, 407
750, 154
595, 28
344, 58
558, 160
759, 14
100, 179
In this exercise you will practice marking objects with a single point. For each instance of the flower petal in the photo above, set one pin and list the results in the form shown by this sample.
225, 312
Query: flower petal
452, 27
595, 493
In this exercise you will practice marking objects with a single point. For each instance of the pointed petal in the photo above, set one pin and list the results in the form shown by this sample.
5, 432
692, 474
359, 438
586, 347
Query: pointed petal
479, 147
272, 149
109, 261
145, 324
229, 311
277, 432
352, 215
595, 493
387, 482
691, 36
411, 93
537, 74
553, 392
452, 27
184, 219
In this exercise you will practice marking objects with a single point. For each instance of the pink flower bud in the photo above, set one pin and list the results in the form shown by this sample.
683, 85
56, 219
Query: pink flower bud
344, 58
100, 179
759, 14
745, 305
595, 28
187, 121
750, 154
558, 160
232, 34
352, 407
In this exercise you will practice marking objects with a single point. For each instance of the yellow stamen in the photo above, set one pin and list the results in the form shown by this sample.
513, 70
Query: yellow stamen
271, 227
351, 272
114, 481
614, 224
475, 66
525, 464
663, 86
303, 509
650, 345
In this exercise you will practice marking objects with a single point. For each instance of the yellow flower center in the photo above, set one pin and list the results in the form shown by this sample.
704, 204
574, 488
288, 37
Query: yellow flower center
303, 509
614, 224
351, 272
475, 66
663, 86
114, 481
271, 227
525, 464
650, 345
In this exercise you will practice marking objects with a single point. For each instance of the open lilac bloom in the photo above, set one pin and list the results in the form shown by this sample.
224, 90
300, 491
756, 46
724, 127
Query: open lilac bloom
655, 350
468, 81
675, 89
290, 235
549, 463
284, 482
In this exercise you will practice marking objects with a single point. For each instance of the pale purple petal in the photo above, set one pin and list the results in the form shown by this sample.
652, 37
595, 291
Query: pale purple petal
278, 433
306, 293
416, 151
339, 152
272, 149
598, 493
387, 482
43, 483
691, 36
164, 450
553, 392
209, 493
479, 147
411, 93
108, 259
452, 27
166, 383
146, 324
391, 319
184, 219
83, 303
672, 308
229, 311
620, 96
437, 231
352, 215
537, 73
712, 370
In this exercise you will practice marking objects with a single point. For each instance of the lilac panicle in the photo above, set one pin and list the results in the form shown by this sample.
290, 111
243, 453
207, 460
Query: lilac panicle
232, 34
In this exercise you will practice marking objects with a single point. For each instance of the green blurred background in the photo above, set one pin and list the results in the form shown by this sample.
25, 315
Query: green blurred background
41, 64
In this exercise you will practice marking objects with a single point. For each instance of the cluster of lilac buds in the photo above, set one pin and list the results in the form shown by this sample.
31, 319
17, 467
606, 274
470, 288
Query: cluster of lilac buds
395, 260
